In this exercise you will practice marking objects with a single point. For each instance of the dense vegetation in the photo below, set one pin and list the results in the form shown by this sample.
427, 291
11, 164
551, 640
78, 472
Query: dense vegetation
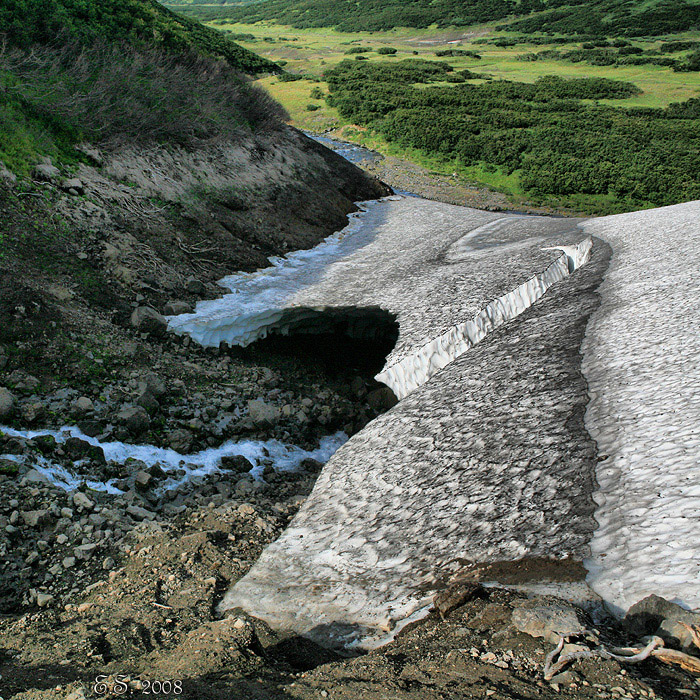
27, 22
587, 17
116, 71
558, 144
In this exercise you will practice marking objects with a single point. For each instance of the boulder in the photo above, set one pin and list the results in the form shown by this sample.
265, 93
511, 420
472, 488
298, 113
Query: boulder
180, 440
138, 513
76, 448
7, 403
147, 319
382, 399
74, 184
175, 308
195, 286
548, 617
46, 444
148, 401
155, 384
46, 172
143, 481
44, 599
658, 616
135, 419
80, 500
263, 413
236, 463
84, 405
35, 518
91, 152
6, 175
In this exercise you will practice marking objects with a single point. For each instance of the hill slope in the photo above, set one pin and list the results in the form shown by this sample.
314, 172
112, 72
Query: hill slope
30, 21
599, 17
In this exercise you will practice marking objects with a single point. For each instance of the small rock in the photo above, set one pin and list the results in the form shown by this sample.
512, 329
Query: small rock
139, 513
455, 596
73, 183
148, 402
80, 500
108, 564
382, 399
155, 384
46, 172
68, 562
143, 481
195, 286
91, 152
84, 405
135, 419
7, 176
180, 440
35, 518
44, 599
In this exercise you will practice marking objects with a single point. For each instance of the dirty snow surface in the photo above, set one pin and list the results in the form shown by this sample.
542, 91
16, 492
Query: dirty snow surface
487, 459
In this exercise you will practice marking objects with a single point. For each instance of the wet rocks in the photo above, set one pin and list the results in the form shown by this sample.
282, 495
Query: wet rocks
81, 449
236, 463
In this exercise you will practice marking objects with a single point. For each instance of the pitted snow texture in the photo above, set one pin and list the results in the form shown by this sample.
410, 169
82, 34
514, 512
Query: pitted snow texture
488, 460
642, 363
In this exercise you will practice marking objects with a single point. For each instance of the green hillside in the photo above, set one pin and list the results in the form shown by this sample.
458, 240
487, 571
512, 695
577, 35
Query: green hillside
39, 21
581, 17
119, 71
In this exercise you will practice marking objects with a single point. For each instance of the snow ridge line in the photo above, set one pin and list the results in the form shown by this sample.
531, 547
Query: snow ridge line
413, 371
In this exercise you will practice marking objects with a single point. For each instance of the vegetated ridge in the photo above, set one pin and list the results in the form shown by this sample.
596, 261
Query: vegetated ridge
599, 17
26, 22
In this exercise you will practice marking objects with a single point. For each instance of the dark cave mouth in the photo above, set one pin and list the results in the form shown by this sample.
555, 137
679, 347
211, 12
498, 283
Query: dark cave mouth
339, 340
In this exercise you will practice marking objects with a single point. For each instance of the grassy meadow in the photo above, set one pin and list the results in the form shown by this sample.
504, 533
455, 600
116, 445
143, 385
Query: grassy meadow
309, 53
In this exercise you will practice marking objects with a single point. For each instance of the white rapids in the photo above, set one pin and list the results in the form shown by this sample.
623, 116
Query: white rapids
283, 457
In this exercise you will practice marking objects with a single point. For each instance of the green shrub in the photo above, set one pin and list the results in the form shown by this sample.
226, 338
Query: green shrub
386, 51
311, 107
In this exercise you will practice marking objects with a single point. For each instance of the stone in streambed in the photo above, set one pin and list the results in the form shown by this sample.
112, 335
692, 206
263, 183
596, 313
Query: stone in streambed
237, 463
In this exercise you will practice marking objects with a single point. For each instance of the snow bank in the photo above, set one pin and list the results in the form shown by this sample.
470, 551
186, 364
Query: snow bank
413, 371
